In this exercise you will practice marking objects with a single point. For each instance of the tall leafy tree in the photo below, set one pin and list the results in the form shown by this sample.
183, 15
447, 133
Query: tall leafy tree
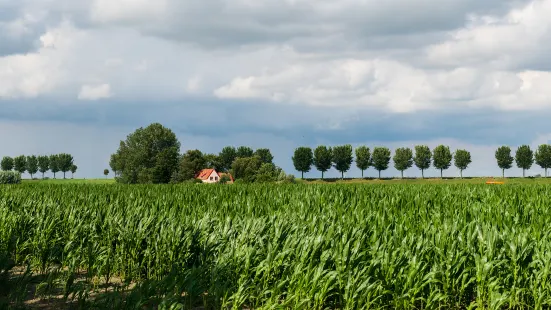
244, 151
504, 159
403, 159
148, 155
115, 164
342, 158
265, 155
32, 165
363, 158
212, 161
106, 172
43, 164
246, 168
7, 163
303, 159
462, 160
20, 164
323, 159
524, 158
227, 156
54, 164
65, 163
191, 163
442, 158
380, 159
73, 170
543, 157
423, 158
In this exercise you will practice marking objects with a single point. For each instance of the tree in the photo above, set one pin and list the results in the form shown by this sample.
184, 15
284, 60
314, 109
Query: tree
105, 172
20, 164
422, 158
403, 159
524, 158
543, 157
462, 159
65, 162
73, 170
246, 168
303, 159
226, 157
148, 155
323, 159
32, 165
342, 158
442, 158
363, 158
43, 164
7, 163
191, 163
212, 161
267, 172
504, 159
265, 155
244, 151
115, 164
54, 164
380, 159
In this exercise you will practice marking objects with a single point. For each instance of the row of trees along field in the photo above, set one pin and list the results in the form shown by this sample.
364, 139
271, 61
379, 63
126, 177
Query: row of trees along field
151, 155
341, 158
32, 164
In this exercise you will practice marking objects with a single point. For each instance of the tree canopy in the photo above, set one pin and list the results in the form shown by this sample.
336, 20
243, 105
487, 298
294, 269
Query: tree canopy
323, 159
504, 159
380, 159
265, 155
423, 158
7, 163
32, 165
303, 159
403, 159
20, 163
543, 157
442, 158
244, 151
363, 158
43, 164
226, 157
148, 155
462, 160
191, 163
342, 158
524, 158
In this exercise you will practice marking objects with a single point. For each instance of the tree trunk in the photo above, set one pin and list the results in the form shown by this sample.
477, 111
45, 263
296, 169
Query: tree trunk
322, 175
546, 172
43, 175
422, 173
72, 174
461, 173
402, 172
441, 175
523, 174
362, 174
379, 174
503, 173
302, 176
342, 175
63, 175
54, 175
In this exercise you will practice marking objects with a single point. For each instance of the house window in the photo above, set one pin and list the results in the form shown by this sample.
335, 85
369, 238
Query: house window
211, 178
216, 178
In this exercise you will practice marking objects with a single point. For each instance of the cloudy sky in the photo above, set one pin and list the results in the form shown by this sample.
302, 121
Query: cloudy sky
78, 75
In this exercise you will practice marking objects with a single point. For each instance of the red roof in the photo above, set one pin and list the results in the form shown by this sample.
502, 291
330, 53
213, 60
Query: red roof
205, 174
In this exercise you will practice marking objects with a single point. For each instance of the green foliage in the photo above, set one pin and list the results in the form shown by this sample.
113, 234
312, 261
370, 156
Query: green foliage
212, 161
105, 172
380, 159
303, 159
504, 158
148, 155
226, 157
403, 159
423, 158
32, 165
74, 170
543, 157
363, 158
20, 163
54, 164
244, 151
224, 179
7, 163
342, 158
524, 158
323, 159
442, 158
267, 173
281, 246
65, 162
43, 164
462, 160
245, 168
265, 155
9, 177
191, 163
115, 163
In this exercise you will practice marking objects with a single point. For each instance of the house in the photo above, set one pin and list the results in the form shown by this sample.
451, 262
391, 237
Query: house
211, 176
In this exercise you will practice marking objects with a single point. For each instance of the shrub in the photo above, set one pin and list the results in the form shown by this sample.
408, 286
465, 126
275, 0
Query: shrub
224, 179
10, 177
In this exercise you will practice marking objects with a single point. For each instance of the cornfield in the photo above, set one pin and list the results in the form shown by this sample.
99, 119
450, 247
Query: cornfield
278, 246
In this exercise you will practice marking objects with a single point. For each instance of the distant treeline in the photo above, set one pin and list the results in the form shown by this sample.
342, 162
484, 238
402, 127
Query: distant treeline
341, 157
32, 164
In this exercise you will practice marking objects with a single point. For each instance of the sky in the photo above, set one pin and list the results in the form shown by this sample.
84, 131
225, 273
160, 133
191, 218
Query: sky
78, 76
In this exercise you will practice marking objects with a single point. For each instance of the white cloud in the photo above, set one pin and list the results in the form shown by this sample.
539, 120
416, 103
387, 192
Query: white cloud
94, 92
